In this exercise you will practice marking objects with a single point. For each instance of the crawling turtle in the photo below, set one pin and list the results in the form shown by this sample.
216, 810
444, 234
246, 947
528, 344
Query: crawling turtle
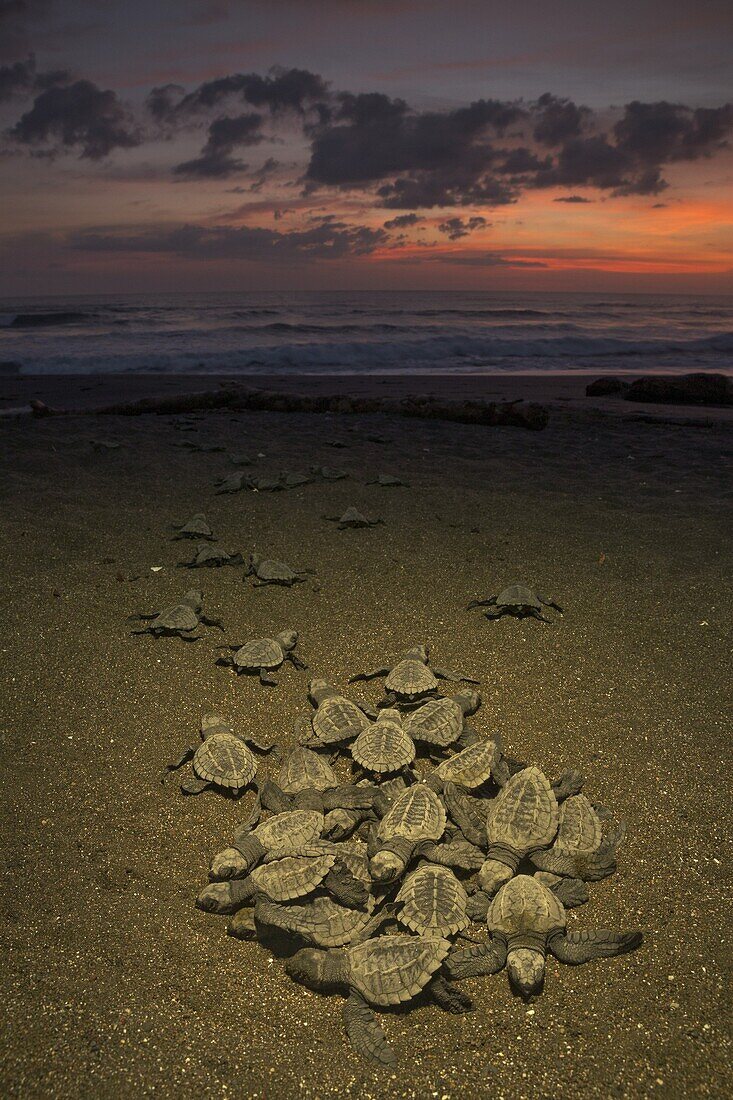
586, 842
307, 781
293, 479
317, 920
441, 722
389, 970
432, 901
384, 747
352, 517
412, 679
270, 571
525, 920
263, 656
195, 527
472, 767
233, 483
388, 481
286, 879
211, 557
517, 600
222, 760
329, 473
181, 618
520, 820
416, 816
336, 718
285, 834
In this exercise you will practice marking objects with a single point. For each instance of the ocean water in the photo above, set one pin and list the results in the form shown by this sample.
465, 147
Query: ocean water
368, 332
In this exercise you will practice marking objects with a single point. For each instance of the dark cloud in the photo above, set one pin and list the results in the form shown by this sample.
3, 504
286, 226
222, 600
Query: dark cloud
572, 199
448, 187
17, 79
161, 101
659, 133
279, 90
402, 221
558, 120
323, 242
455, 228
81, 116
521, 161
225, 135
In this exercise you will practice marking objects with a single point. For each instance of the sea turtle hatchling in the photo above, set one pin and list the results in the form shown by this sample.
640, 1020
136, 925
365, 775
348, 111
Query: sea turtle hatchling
472, 767
352, 517
388, 970
285, 879
307, 781
586, 842
270, 571
412, 679
520, 820
263, 656
517, 600
388, 481
335, 720
195, 527
222, 760
317, 920
211, 557
180, 619
416, 816
285, 834
384, 747
432, 901
441, 722
525, 920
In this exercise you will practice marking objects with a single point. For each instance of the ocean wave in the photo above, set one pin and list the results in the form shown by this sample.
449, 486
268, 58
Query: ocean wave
38, 320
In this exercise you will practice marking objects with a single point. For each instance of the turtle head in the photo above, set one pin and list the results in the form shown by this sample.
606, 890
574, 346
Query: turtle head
386, 866
493, 875
317, 969
194, 599
389, 714
287, 640
254, 561
526, 970
320, 690
418, 653
468, 701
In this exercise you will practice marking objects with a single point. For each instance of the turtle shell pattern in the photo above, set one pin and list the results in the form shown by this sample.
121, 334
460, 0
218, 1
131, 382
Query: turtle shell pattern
418, 814
304, 770
524, 814
322, 921
225, 760
178, 617
196, 525
293, 876
205, 553
517, 595
525, 905
384, 746
337, 718
433, 901
259, 653
437, 722
579, 829
470, 768
392, 969
410, 677
290, 832
272, 570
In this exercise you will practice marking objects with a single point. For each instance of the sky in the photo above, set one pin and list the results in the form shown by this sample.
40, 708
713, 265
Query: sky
365, 144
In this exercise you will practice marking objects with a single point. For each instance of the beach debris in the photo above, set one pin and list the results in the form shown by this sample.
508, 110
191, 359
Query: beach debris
293, 479
270, 571
352, 517
211, 557
525, 920
607, 386
263, 656
180, 619
195, 527
517, 600
412, 679
700, 388
223, 759
192, 445
388, 481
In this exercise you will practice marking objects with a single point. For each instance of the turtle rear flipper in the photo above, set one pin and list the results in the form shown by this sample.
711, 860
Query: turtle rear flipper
364, 1032
273, 798
194, 785
448, 996
476, 962
576, 948
465, 814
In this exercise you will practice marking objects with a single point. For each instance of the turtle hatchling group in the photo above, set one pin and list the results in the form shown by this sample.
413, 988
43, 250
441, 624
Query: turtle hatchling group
440, 858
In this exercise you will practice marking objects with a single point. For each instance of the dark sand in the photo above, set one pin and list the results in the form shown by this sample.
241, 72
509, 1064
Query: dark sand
114, 984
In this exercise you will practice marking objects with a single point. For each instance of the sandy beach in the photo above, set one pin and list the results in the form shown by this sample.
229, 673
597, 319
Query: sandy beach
114, 984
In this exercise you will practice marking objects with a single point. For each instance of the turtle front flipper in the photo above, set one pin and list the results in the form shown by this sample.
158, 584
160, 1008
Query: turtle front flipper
274, 799
465, 814
296, 662
568, 784
454, 677
212, 622
477, 906
260, 746
345, 887
572, 892
364, 1032
476, 962
577, 948
141, 616
448, 996
549, 603
187, 754
489, 601
268, 677
371, 675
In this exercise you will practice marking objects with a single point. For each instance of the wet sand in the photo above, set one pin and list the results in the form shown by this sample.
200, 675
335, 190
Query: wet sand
114, 984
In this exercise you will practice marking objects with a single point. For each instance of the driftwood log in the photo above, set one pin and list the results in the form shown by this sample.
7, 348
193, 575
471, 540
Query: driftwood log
519, 414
